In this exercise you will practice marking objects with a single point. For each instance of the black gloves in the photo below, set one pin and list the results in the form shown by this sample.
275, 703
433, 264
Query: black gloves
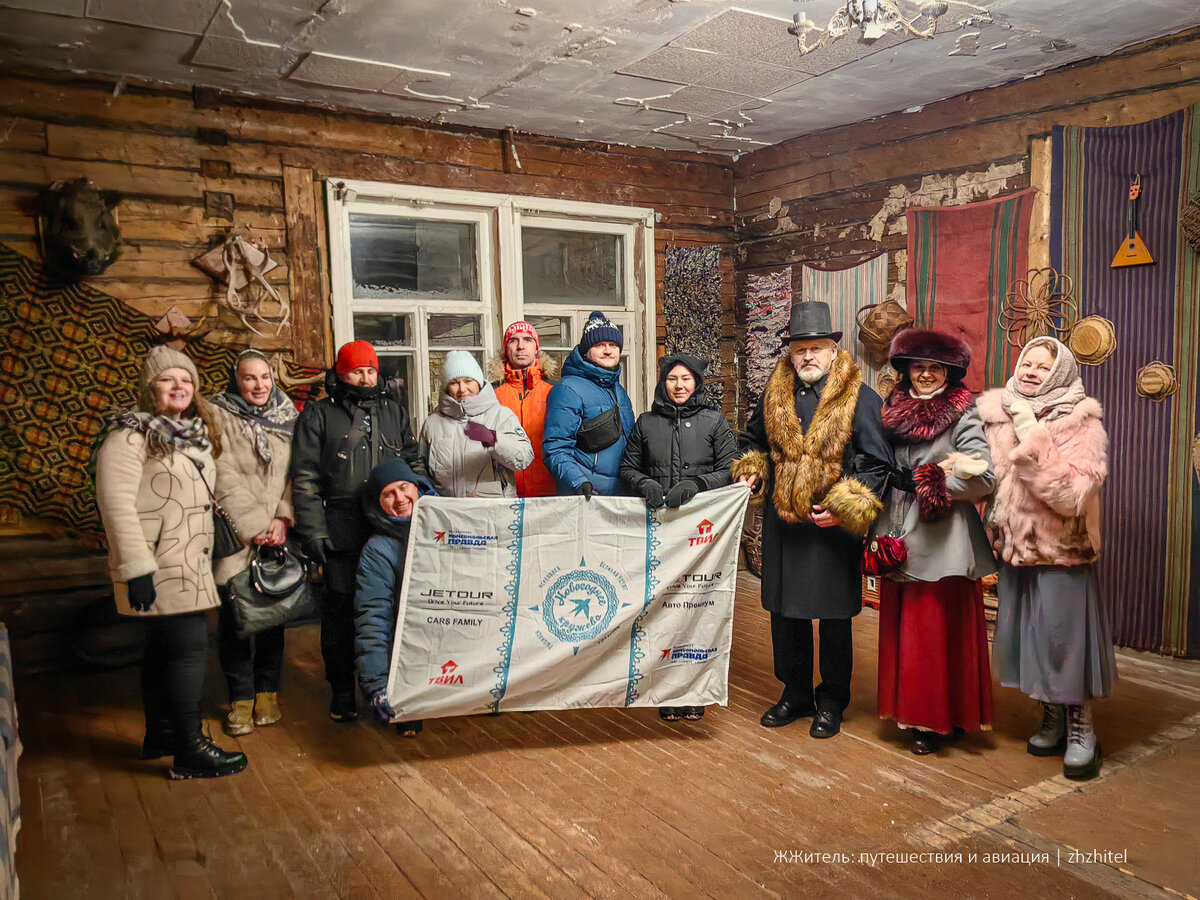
682, 493
586, 489
902, 480
653, 493
318, 550
141, 593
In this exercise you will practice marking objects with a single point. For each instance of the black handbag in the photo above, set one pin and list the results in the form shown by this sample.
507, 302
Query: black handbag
226, 541
273, 591
600, 432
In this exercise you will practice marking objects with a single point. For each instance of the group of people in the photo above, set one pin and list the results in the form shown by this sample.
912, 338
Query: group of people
849, 477
835, 463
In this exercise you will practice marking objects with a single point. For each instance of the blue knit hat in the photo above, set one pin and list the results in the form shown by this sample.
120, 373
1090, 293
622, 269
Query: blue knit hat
597, 330
461, 364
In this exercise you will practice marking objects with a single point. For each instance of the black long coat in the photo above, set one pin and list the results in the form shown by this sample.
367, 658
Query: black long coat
810, 572
327, 477
672, 442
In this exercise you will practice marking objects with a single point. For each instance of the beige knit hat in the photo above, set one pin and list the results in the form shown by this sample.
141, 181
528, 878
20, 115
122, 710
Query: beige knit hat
159, 359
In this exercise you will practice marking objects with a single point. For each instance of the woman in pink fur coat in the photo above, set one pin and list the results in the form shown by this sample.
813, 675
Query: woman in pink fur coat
1052, 634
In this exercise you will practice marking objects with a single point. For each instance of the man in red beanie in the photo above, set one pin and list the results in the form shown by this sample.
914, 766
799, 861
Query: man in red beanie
338, 442
523, 389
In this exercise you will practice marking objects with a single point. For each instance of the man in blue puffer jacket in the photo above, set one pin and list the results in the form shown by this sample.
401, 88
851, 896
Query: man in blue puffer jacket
588, 415
389, 496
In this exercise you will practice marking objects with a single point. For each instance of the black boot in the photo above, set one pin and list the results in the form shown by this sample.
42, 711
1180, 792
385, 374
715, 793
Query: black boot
199, 757
159, 740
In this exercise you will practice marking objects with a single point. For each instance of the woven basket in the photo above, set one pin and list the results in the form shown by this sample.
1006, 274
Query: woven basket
1189, 222
1093, 340
878, 324
1157, 381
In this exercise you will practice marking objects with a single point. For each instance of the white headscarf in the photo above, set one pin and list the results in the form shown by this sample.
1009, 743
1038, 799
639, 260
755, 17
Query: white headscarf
1059, 393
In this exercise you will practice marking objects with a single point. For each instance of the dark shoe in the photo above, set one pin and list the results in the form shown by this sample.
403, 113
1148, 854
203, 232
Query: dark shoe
785, 712
343, 707
691, 713
926, 742
668, 713
201, 758
158, 744
827, 723
410, 729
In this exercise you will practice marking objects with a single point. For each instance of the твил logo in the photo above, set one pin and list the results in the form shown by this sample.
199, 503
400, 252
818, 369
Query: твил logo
449, 674
706, 535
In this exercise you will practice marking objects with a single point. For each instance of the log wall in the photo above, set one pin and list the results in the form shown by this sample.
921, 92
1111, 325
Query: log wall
193, 165
838, 197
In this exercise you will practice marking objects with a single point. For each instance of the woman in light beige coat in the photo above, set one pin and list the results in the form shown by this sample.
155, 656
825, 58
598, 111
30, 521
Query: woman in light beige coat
256, 420
155, 474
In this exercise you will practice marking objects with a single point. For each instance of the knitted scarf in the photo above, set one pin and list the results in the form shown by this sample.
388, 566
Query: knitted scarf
163, 434
1060, 393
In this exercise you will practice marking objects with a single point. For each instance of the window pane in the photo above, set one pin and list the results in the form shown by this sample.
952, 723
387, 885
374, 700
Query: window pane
398, 368
391, 257
454, 331
384, 330
436, 359
572, 267
553, 331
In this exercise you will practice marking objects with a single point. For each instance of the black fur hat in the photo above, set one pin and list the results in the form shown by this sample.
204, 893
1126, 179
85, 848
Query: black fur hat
937, 346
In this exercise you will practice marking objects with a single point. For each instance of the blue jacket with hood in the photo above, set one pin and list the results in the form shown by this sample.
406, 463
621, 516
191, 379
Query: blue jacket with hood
380, 574
585, 391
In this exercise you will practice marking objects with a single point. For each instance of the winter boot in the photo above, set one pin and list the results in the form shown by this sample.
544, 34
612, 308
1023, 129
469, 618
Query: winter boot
160, 739
1051, 740
240, 719
1082, 759
199, 757
266, 708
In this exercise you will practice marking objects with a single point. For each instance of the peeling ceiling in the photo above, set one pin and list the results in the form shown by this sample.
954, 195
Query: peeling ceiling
674, 74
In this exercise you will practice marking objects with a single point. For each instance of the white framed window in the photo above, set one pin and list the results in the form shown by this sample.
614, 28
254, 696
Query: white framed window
421, 271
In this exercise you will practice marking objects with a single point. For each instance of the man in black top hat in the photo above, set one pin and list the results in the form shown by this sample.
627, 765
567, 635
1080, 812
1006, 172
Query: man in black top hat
816, 447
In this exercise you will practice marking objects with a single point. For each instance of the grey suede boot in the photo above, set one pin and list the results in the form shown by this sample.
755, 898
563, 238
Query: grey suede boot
1082, 759
1051, 740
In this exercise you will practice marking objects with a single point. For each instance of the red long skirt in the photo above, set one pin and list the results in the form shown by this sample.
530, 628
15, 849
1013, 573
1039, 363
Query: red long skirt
933, 655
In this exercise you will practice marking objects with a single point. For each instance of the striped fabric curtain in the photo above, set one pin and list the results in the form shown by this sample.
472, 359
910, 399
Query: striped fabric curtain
847, 291
1150, 563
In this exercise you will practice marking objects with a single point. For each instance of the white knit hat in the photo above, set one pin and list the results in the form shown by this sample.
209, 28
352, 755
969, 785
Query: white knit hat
461, 364
160, 358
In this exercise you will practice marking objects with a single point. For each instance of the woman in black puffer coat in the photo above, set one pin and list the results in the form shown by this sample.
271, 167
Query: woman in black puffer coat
681, 447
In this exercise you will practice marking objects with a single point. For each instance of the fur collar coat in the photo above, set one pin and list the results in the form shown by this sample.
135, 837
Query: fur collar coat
1046, 509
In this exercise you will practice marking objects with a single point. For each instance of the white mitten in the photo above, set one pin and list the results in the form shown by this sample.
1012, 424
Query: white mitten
969, 466
1023, 418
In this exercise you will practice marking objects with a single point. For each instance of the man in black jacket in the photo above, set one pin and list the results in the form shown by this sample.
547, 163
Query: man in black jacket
338, 442
816, 443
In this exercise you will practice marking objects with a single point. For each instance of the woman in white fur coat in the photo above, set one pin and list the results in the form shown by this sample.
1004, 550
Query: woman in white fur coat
256, 420
154, 481
471, 444
1053, 639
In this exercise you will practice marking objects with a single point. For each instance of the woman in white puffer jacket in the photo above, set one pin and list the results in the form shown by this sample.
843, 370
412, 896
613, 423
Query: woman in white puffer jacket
471, 444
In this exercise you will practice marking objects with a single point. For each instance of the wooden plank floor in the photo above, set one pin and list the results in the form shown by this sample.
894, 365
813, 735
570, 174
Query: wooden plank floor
608, 803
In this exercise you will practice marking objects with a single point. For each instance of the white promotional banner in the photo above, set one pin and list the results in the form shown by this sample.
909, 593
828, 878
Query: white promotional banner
562, 602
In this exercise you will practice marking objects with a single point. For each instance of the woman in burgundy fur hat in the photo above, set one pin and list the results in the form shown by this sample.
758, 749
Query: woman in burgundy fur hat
934, 676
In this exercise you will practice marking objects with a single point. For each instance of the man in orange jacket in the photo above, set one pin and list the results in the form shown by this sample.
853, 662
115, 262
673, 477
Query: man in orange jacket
523, 389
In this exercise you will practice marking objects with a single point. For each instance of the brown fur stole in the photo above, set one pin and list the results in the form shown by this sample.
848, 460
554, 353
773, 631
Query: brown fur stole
908, 420
808, 464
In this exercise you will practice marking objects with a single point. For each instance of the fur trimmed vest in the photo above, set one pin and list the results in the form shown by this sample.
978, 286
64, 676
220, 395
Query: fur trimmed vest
1046, 510
808, 467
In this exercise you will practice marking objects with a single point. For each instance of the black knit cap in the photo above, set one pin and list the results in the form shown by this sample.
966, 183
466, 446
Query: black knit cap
597, 330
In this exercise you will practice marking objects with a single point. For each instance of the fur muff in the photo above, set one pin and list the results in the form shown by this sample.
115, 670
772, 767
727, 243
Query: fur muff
752, 462
908, 420
808, 464
854, 504
924, 343
1046, 508
933, 498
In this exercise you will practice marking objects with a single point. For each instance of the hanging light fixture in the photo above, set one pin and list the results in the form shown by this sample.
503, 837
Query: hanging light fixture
871, 18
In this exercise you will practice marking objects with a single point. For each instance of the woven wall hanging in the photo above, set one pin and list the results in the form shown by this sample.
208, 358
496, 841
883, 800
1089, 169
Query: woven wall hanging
1042, 304
1157, 381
